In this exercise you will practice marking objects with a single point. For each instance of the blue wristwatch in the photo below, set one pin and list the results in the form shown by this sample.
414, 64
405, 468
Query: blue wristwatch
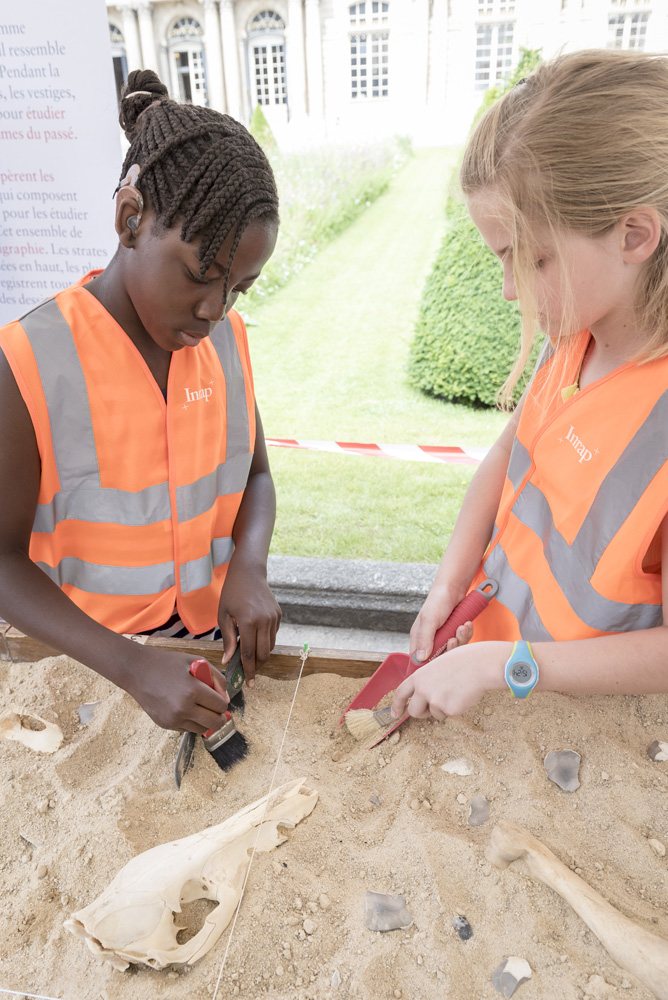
521, 671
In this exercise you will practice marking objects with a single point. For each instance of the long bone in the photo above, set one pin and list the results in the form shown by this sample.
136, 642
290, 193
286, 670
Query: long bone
133, 919
636, 950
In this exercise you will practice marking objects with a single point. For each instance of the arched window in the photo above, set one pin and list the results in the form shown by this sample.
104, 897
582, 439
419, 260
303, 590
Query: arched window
628, 30
369, 49
187, 60
495, 42
118, 57
266, 58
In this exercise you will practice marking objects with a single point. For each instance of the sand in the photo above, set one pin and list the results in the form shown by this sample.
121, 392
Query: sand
70, 821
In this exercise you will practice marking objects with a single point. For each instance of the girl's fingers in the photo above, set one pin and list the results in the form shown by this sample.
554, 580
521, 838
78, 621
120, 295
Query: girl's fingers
418, 707
219, 685
422, 639
401, 698
264, 644
228, 630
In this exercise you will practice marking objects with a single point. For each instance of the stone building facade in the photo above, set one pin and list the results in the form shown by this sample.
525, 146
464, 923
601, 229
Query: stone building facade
328, 70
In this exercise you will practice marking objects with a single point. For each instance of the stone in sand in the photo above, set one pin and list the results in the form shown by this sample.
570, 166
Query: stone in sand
658, 750
479, 811
86, 712
463, 927
562, 768
510, 974
461, 766
386, 913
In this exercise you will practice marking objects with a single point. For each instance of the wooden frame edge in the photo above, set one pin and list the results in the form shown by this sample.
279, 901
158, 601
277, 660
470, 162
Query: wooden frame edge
284, 661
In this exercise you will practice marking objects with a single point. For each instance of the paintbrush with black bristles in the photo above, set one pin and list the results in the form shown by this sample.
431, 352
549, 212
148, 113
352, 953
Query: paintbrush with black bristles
226, 745
234, 681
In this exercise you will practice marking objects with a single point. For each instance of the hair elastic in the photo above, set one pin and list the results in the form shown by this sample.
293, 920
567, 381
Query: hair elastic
148, 108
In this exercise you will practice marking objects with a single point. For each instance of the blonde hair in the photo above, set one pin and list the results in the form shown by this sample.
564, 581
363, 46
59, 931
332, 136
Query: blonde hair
575, 146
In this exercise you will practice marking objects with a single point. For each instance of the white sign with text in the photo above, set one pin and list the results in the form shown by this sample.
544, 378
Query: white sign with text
61, 150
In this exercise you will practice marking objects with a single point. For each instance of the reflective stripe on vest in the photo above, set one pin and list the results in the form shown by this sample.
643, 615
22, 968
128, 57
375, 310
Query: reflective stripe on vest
83, 498
637, 475
74, 442
198, 572
139, 580
114, 580
515, 594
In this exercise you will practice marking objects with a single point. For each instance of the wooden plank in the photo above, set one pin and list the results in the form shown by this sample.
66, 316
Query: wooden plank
284, 662
20, 648
4, 627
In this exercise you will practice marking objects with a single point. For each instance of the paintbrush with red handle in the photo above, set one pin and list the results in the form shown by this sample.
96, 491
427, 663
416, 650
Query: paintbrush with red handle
359, 716
226, 745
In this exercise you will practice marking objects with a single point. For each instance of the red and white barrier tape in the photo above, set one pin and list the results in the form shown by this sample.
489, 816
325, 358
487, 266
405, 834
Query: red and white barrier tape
407, 452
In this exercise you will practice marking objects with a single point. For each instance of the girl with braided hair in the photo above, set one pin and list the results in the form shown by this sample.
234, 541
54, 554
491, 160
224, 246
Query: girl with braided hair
140, 498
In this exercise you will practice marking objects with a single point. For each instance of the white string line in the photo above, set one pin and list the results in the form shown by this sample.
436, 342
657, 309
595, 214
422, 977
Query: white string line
304, 656
18, 993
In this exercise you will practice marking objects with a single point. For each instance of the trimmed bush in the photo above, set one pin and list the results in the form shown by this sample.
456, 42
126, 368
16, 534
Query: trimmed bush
260, 129
467, 336
528, 61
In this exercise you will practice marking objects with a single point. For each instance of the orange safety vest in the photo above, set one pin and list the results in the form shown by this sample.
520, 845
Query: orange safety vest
585, 492
138, 495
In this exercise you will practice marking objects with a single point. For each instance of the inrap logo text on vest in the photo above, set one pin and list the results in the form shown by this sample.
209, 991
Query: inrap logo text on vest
584, 453
192, 395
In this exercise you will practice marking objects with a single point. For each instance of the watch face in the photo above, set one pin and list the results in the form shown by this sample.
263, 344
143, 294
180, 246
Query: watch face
521, 672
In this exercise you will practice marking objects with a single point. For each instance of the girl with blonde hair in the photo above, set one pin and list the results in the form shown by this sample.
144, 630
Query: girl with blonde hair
565, 179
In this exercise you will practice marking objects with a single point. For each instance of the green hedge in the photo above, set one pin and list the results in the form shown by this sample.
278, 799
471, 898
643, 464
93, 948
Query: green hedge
260, 129
467, 336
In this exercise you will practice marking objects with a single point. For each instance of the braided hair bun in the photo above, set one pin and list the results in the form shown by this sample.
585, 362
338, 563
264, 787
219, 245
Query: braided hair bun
143, 87
200, 169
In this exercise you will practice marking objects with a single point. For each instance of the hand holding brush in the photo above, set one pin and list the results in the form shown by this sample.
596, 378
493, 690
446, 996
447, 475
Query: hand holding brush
226, 744
371, 726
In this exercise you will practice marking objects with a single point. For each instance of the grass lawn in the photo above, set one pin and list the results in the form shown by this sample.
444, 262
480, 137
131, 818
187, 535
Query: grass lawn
329, 357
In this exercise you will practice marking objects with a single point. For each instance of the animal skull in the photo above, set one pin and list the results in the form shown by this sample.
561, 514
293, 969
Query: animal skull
30, 729
133, 919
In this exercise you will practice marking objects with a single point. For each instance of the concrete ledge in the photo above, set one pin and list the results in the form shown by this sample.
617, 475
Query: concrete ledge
343, 593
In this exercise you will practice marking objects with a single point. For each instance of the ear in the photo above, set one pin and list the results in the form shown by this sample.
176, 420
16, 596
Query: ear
129, 209
640, 232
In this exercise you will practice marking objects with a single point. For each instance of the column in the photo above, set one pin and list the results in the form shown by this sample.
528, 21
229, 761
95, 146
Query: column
294, 58
594, 33
131, 38
657, 30
214, 61
150, 58
314, 60
230, 59
437, 56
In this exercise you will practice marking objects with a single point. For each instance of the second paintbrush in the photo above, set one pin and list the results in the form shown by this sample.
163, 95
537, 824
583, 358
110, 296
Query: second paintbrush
226, 745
